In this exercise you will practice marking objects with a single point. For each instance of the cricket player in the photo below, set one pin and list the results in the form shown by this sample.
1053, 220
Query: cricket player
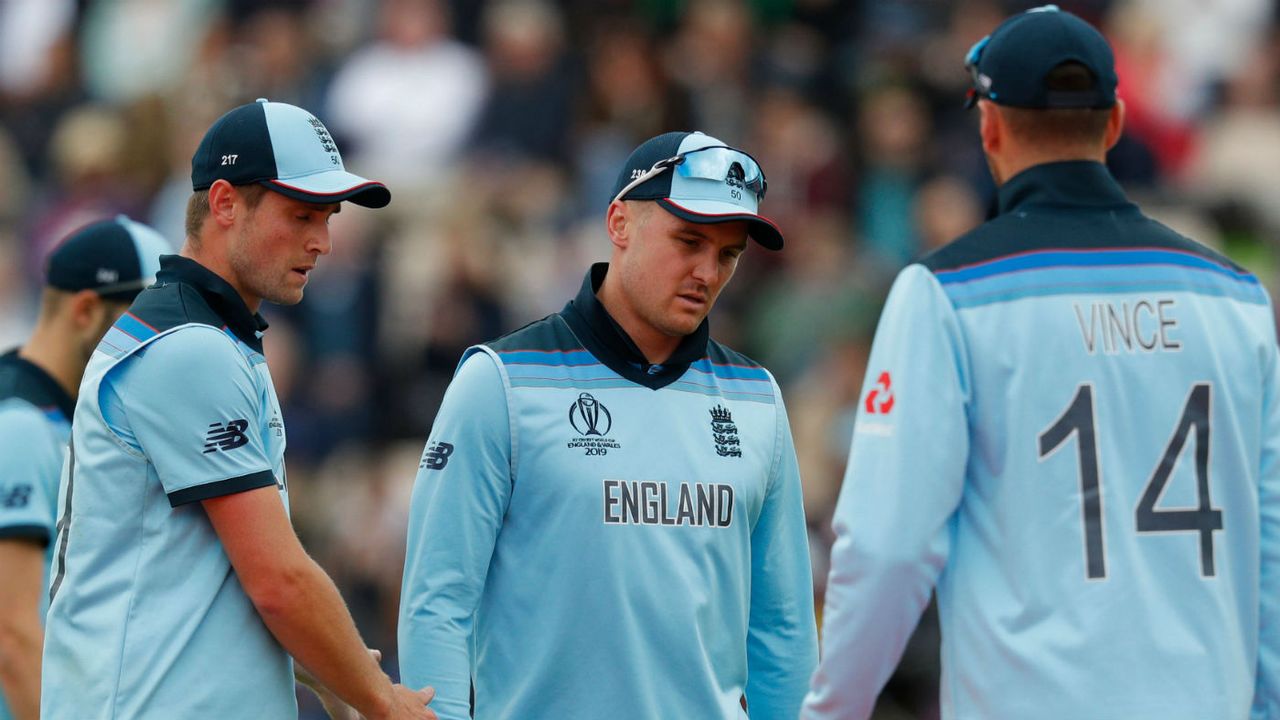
1071, 428
607, 520
90, 278
179, 588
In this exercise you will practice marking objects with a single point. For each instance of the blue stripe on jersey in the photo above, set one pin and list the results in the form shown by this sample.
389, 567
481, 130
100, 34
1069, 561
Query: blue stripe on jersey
578, 368
547, 357
731, 372
1090, 273
1092, 257
54, 414
132, 326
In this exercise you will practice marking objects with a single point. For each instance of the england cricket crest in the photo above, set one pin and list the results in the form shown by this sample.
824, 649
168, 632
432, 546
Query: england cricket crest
725, 432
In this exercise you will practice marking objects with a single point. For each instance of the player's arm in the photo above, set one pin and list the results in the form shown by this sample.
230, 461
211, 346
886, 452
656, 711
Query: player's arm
21, 636
232, 479
1266, 704
459, 499
300, 604
31, 461
782, 642
903, 482
333, 705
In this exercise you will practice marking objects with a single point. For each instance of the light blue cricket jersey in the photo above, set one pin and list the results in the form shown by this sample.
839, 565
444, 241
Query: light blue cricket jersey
147, 618
35, 423
591, 537
1070, 423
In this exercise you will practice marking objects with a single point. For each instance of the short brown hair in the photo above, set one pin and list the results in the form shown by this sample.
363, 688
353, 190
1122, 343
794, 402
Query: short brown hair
1061, 127
198, 206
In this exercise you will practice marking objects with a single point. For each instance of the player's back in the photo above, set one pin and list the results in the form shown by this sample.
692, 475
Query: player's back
1106, 556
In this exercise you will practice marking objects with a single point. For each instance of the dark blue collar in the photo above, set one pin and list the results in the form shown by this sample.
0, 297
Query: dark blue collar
1072, 183
37, 386
611, 345
218, 293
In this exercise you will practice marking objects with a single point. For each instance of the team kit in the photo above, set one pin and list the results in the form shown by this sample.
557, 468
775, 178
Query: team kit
1068, 430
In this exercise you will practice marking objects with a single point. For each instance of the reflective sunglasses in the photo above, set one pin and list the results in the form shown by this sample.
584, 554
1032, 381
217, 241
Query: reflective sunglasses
717, 162
978, 89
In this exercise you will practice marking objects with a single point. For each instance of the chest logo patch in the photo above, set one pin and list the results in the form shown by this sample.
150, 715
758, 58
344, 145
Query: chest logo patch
725, 432
592, 421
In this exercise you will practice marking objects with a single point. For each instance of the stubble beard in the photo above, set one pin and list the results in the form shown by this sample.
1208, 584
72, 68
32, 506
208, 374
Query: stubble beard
257, 279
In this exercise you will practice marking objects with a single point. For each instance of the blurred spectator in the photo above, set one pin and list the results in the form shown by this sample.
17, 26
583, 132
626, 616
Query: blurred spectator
1147, 84
30, 31
87, 154
528, 114
1238, 158
711, 58
133, 48
406, 102
893, 126
819, 299
945, 209
628, 97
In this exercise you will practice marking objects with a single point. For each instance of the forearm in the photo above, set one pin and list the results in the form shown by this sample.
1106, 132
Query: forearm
307, 615
21, 644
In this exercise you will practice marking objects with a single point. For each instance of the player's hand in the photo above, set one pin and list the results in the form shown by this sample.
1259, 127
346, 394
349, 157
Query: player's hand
409, 704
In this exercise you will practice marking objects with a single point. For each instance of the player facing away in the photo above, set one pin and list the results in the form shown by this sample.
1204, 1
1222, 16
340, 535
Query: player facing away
90, 279
1071, 427
607, 519
179, 589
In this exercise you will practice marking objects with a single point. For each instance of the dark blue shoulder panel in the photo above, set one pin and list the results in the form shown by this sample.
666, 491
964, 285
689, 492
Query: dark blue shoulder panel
1079, 229
550, 334
724, 355
173, 304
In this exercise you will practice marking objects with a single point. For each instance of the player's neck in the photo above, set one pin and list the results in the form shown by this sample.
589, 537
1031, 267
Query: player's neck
219, 264
1007, 166
58, 353
653, 344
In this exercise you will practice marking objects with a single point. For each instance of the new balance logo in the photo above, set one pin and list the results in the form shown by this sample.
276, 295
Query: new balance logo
226, 437
437, 456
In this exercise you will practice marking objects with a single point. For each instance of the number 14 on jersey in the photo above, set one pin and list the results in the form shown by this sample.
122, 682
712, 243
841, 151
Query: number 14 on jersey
1078, 420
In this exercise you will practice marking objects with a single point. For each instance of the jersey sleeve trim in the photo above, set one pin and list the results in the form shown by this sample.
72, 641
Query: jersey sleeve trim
512, 426
36, 533
230, 486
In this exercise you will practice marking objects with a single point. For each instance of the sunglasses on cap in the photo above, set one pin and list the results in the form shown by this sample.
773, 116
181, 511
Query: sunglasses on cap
981, 87
717, 162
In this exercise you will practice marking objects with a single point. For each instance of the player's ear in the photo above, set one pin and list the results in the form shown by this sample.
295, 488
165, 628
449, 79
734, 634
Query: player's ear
990, 126
619, 221
1115, 124
86, 310
223, 203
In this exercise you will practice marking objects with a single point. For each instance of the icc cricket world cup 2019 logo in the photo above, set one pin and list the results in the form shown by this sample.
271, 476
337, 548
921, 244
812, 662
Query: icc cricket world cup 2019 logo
590, 413
592, 421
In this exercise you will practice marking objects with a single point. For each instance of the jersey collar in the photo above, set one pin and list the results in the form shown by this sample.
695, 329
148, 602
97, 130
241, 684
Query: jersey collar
611, 345
38, 386
218, 293
1067, 184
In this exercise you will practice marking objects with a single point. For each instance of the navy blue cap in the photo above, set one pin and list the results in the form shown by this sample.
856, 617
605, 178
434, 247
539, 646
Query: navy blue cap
285, 148
701, 180
1010, 66
115, 258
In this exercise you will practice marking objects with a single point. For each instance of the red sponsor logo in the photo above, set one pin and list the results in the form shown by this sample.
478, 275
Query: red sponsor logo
880, 400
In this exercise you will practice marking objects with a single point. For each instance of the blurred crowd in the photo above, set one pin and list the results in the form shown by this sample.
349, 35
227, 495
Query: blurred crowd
499, 126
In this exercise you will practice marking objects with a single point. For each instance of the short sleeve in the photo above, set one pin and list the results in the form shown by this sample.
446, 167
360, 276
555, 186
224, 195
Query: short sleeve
190, 403
30, 464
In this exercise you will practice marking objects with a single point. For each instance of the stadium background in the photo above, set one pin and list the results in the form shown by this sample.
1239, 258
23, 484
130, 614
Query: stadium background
499, 125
